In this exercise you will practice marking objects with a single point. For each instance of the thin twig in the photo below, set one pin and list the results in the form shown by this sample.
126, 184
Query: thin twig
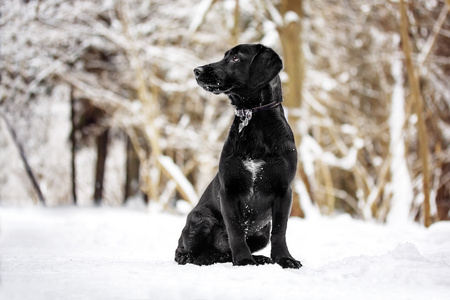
433, 37
27, 166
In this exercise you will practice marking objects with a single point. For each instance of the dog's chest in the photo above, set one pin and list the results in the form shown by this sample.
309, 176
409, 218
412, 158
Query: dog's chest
255, 209
254, 178
254, 167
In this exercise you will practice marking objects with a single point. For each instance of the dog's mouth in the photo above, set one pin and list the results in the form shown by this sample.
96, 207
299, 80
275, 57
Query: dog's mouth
213, 87
210, 81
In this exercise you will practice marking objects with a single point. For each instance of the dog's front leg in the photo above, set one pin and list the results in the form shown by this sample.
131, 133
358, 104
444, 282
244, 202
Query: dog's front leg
280, 213
236, 235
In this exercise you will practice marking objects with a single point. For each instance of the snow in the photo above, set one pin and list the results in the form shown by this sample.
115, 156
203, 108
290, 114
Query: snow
291, 17
123, 253
310, 151
202, 9
178, 176
403, 193
309, 209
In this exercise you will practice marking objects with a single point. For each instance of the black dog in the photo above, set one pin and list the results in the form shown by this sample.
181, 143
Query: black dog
258, 163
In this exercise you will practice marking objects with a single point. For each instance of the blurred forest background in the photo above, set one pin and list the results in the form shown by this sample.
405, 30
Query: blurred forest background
99, 104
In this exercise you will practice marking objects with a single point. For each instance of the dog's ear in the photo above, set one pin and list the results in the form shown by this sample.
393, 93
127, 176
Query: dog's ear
266, 64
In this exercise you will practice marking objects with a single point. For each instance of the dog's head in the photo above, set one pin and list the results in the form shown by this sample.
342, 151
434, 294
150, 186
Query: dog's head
244, 71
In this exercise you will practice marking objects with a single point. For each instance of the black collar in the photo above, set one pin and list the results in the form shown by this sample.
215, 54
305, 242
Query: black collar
246, 114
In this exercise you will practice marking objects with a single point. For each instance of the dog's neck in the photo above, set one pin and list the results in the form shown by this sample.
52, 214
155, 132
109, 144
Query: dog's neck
245, 115
249, 99
267, 98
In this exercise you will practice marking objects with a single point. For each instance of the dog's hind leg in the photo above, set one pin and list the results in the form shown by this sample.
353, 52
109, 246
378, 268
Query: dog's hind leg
212, 256
217, 250
203, 241
194, 238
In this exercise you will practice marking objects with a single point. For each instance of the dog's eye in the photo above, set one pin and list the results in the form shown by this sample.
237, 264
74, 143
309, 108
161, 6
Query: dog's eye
235, 58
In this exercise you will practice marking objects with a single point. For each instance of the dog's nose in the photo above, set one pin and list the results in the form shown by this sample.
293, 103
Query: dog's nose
198, 71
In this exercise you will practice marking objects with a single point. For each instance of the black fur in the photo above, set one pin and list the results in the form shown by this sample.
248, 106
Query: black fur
249, 200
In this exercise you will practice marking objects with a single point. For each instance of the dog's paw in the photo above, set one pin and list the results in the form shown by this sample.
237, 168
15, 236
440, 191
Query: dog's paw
262, 260
288, 263
212, 257
183, 258
244, 262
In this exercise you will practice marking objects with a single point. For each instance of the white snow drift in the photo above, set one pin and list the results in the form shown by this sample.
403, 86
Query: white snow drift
105, 253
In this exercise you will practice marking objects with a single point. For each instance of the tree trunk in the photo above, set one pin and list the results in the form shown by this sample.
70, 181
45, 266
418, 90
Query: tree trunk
290, 37
73, 141
416, 96
132, 172
102, 149
235, 30
443, 193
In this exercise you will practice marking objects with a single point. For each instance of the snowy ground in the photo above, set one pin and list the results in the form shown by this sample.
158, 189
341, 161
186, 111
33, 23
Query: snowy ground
106, 253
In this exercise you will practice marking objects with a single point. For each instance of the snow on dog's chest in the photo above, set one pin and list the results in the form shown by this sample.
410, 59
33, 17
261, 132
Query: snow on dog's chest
254, 167
256, 212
